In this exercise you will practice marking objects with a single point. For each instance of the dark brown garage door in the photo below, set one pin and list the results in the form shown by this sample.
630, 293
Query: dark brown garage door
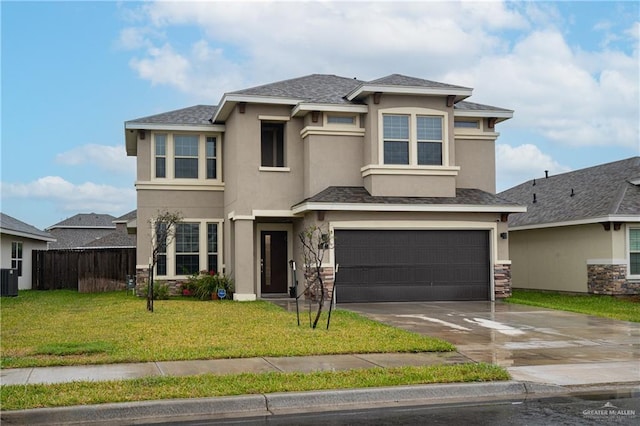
409, 265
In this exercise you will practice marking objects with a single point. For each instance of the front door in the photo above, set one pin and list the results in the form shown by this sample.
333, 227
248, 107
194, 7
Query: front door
273, 261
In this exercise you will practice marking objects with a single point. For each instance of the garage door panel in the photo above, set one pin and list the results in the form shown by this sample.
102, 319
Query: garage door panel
409, 265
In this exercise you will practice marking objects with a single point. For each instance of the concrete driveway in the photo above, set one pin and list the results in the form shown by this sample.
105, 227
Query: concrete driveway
524, 339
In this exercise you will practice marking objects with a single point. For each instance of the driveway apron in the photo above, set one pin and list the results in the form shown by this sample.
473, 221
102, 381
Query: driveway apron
512, 335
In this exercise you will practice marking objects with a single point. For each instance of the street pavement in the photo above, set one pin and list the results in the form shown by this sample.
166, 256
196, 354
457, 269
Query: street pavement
546, 352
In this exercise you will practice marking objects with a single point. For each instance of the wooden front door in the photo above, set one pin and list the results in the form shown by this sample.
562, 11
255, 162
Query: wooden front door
273, 262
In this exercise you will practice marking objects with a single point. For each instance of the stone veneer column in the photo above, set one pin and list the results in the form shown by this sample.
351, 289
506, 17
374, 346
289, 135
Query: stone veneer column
610, 279
502, 280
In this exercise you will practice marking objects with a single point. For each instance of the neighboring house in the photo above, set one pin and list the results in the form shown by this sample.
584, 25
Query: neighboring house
400, 170
80, 230
123, 237
581, 231
18, 240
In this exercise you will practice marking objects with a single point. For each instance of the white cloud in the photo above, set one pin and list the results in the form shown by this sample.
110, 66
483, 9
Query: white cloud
515, 165
68, 196
109, 158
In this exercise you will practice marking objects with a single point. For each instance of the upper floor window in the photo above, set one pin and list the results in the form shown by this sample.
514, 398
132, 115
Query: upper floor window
161, 155
272, 144
211, 158
341, 119
466, 124
16, 256
413, 138
429, 136
634, 251
186, 156
396, 139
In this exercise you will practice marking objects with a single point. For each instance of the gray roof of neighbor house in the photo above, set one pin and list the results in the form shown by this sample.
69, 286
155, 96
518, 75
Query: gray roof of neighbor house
608, 192
86, 220
120, 239
12, 226
334, 196
127, 216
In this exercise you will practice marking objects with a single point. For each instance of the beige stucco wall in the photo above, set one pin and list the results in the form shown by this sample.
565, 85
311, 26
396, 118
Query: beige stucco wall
410, 186
246, 186
331, 161
143, 159
28, 245
191, 204
556, 258
477, 161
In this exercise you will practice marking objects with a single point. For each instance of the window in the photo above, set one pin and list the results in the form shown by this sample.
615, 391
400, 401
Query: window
186, 156
634, 251
396, 139
16, 256
161, 156
341, 119
466, 124
212, 247
161, 260
272, 144
187, 248
412, 138
211, 158
429, 140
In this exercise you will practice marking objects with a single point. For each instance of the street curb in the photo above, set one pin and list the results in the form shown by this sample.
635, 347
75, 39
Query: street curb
268, 404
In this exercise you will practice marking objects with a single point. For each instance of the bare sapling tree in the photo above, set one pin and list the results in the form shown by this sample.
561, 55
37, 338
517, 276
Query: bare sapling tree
163, 230
315, 244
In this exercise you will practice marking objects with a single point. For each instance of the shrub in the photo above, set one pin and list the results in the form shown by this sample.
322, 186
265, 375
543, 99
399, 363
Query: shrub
160, 290
205, 284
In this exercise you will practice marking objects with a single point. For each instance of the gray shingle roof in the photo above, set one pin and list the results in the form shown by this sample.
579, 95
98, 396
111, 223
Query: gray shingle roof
86, 220
114, 239
406, 81
67, 238
599, 191
11, 224
319, 88
359, 195
127, 216
196, 115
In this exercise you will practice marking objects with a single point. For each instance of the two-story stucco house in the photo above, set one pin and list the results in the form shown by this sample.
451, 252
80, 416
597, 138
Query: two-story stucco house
401, 170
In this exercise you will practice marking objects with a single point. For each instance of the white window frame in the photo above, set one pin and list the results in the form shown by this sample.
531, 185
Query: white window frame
18, 259
202, 159
413, 113
203, 253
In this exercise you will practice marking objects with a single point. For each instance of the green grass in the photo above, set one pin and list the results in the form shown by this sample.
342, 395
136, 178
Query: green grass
44, 328
620, 308
17, 397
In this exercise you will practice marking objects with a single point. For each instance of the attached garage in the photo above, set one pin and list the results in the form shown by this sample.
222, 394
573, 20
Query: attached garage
412, 265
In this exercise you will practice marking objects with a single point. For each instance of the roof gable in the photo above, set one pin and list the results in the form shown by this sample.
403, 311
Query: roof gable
594, 193
86, 220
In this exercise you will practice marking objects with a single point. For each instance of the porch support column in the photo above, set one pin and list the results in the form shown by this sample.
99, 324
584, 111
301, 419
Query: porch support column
244, 262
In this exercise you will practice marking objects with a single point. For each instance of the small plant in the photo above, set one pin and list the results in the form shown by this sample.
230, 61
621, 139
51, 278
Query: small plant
205, 285
160, 290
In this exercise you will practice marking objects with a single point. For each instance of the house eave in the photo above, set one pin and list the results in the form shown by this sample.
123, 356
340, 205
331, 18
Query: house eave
305, 107
379, 207
498, 115
229, 101
368, 89
586, 221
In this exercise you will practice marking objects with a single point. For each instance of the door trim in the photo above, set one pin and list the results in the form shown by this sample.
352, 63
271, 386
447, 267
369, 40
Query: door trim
288, 227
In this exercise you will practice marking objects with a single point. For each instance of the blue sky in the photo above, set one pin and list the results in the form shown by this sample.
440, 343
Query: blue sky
74, 72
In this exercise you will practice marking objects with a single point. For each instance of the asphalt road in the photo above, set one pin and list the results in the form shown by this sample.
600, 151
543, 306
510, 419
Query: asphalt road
566, 410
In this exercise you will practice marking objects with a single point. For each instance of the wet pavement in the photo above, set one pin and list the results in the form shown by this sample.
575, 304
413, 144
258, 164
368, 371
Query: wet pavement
535, 344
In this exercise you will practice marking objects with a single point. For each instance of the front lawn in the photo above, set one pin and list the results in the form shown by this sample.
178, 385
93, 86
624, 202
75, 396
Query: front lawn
44, 328
620, 308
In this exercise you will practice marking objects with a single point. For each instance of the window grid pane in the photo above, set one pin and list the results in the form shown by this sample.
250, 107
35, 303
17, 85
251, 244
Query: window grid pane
634, 239
429, 128
186, 168
634, 264
187, 237
211, 158
396, 127
429, 153
396, 152
186, 145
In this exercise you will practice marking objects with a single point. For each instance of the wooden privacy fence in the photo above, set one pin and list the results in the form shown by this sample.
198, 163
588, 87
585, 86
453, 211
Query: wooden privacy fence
85, 270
